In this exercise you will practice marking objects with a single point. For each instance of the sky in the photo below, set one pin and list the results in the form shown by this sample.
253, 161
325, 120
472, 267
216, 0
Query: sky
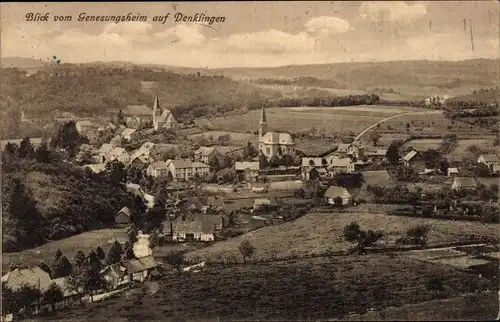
255, 34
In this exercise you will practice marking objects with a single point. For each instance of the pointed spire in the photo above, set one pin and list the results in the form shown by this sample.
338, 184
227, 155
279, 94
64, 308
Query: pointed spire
263, 119
157, 103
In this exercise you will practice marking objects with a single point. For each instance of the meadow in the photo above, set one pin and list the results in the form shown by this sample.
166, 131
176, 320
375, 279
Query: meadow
319, 288
320, 232
85, 241
296, 120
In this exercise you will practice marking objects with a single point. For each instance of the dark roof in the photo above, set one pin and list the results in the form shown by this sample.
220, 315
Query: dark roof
196, 223
139, 265
34, 276
490, 157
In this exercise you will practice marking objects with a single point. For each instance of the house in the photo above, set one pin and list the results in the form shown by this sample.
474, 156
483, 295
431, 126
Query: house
157, 169
186, 170
378, 154
69, 296
353, 150
123, 218
135, 189
490, 160
452, 172
141, 269
34, 277
341, 165
139, 161
463, 183
204, 154
335, 192
412, 159
146, 147
103, 152
116, 276
310, 173
313, 162
110, 126
272, 143
119, 154
162, 118
129, 134
264, 202
194, 227
84, 126
247, 170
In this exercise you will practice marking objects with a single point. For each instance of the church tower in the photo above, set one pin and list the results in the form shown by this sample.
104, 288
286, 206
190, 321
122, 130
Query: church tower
263, 123
156, 109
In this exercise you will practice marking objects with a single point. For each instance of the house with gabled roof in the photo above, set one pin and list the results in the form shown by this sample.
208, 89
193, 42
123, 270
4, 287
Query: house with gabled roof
158, 169
464, 183
344, 165
414, 159
119, 154
247, 170
194, 227
123, 217
204, 153
491, 160
128, 134
335, 192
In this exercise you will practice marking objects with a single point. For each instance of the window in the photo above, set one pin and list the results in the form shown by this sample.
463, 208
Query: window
268, 151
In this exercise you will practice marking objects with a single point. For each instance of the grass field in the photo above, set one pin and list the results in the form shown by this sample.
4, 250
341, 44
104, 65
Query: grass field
236, 138
285, 119
294, 290
85, 241
319, 232
482, 307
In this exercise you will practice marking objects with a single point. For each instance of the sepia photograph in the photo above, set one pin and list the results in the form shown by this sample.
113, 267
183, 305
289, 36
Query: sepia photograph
250, 161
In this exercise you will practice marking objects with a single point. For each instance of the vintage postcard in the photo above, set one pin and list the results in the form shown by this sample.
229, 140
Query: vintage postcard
244, 161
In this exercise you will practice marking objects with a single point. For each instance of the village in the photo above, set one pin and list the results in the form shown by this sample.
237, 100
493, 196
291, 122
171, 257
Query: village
215, 192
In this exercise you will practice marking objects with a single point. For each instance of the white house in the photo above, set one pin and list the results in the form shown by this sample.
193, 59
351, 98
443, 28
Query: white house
157, 169
119, 154
83, 126
128, 134
194, 227
186, 170
341, 165
490, 160
335, 192
203, 154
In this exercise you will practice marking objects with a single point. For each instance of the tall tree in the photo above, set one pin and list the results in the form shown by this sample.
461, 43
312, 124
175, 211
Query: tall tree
52, 295
42, 153
392, 153
115, 253
100, 253
67, 137
375, 137
61, 267
26, 149
246, 250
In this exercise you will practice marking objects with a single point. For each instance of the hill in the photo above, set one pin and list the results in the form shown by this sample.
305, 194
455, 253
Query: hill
22, 63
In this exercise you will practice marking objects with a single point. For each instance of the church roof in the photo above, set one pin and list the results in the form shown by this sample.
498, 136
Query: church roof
156, 105
277, 138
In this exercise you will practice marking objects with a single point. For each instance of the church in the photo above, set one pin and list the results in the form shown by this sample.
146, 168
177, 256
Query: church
273, 143
162, 118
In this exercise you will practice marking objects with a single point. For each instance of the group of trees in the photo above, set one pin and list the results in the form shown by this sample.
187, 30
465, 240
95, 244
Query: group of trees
45, 201
362, 238
301, 81
399, 194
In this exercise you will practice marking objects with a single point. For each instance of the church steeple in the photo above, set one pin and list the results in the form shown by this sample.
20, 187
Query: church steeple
263, 123
156, 108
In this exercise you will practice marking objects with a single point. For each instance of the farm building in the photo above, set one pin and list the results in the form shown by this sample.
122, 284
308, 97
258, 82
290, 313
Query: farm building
260, 202
413, 159
463, 183
84, 126
354, 150
119, 154
123, 217
310, 173
337, 192
452, 172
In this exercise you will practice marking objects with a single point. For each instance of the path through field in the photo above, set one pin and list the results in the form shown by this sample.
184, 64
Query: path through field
394, 116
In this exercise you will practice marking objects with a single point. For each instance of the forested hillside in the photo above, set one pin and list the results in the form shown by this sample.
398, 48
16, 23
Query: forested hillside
47, 199
95, 91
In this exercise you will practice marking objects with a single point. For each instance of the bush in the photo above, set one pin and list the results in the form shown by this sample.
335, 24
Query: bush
417, 235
